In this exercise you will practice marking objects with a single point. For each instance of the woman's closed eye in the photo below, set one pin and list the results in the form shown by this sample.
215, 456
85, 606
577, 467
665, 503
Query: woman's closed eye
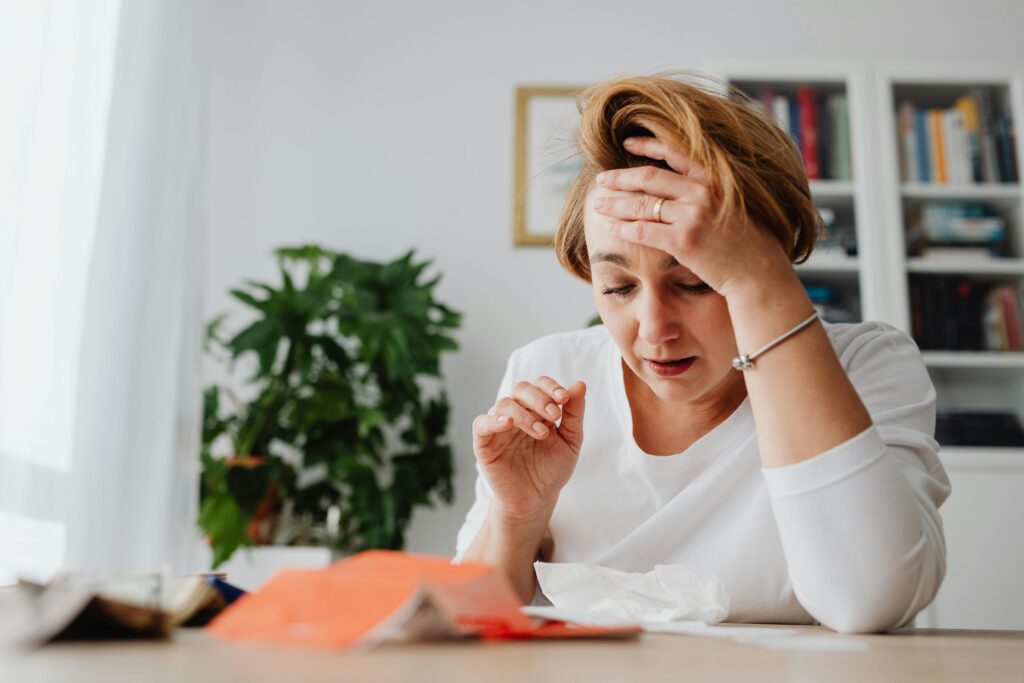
625, 290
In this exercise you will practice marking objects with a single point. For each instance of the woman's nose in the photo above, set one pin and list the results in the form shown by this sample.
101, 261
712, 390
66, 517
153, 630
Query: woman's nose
656, 321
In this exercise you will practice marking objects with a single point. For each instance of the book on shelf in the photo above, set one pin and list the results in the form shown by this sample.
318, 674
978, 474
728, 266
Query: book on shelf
809, 131
968, 142
839, 137
956, 313
819, 125
938, 148
1004, 329
978, 428
908, 152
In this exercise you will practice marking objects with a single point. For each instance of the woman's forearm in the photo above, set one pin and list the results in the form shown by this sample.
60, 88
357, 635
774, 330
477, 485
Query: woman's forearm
511, 546
803, 402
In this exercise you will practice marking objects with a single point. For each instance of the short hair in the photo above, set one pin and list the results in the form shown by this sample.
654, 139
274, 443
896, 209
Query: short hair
754, 165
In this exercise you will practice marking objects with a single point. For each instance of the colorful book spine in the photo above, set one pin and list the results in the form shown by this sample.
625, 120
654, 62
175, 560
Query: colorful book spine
842, 152
1014, 324
794, 123
809, 131
1005, 150
825, 149
909, 172
955, 141
968, 106
781, 108
924, 153
989, 158
935, 137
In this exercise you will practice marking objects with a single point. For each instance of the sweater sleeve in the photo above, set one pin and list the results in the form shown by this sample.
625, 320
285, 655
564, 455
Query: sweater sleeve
859, 523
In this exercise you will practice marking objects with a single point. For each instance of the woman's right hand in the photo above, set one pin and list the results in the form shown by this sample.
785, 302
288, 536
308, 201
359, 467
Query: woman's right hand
526, 466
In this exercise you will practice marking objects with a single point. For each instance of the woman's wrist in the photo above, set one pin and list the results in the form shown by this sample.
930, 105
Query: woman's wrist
519, 524
776, 296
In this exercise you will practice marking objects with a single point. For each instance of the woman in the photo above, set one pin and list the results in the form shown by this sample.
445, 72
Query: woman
804, 476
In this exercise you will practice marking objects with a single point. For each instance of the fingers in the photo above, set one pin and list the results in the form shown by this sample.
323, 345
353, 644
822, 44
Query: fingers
644, 179
533, 408
674, 239
485, 427
653, 148
571, 427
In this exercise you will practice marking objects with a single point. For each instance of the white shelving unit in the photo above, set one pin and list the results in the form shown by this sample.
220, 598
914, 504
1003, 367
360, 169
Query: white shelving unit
984, 515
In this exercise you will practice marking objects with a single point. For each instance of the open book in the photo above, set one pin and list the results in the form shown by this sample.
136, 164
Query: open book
119, 605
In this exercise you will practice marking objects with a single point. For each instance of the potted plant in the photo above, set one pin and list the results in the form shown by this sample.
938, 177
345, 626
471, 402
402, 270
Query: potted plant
338, 431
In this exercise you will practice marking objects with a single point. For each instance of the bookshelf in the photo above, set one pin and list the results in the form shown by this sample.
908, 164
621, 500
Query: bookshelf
972, 375
982, 516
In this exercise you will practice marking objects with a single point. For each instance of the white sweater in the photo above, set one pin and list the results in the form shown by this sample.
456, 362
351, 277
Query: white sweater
851, 538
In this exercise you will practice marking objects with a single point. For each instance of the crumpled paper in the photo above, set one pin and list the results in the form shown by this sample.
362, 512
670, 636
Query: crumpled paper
670, 592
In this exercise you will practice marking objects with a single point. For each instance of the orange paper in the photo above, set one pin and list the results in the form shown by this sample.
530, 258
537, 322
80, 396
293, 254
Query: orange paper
380, 594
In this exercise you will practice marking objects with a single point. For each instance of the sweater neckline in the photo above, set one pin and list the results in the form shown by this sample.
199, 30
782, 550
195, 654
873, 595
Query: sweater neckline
725, 436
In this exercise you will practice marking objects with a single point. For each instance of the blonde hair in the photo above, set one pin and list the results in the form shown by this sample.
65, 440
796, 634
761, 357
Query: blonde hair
752, 163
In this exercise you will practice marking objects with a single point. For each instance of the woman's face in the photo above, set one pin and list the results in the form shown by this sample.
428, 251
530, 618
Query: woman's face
657, 310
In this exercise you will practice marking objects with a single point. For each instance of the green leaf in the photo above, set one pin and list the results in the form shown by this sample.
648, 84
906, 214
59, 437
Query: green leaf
225, 524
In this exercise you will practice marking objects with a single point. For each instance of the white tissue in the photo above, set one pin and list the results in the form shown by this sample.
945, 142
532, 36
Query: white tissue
670, 592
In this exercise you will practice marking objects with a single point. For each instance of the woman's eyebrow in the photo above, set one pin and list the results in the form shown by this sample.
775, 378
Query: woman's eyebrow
620, 260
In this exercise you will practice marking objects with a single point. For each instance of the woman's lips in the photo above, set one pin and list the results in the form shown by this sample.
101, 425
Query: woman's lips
670, 368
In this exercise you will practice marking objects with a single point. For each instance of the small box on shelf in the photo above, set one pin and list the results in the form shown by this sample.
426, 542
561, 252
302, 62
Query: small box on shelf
959, 230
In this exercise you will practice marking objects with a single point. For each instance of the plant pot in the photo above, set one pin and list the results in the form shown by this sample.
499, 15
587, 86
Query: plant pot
250, 568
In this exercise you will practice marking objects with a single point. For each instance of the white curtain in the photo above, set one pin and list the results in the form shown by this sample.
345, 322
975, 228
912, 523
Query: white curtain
101, 160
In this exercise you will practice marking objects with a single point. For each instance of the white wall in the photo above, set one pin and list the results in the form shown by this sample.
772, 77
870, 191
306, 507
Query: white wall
374, 127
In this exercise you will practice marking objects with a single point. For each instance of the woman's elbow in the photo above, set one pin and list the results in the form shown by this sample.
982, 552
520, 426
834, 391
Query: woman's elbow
855, 619
882, 602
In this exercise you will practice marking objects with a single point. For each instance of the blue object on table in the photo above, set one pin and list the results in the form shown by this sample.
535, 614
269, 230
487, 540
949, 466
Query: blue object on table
229, 592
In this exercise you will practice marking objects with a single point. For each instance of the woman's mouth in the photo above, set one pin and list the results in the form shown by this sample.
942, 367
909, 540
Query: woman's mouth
670, 368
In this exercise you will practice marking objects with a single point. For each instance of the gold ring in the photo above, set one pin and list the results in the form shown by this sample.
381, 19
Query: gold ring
657, 209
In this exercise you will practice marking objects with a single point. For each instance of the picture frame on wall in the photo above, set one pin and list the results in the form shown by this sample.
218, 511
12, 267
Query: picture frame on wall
547, 161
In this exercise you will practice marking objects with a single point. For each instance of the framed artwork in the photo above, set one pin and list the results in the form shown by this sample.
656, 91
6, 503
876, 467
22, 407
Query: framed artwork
546, 160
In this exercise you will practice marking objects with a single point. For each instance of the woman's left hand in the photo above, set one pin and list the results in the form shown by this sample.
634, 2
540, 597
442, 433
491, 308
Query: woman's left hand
726, 258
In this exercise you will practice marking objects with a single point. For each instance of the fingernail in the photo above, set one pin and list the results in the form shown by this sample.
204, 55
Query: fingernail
561, 393
503, 419
629, 142
598, 203
610, 225
602, 178
539, 428
551, 410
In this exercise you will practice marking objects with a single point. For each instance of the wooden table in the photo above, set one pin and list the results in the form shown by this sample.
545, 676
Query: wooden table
910, 655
